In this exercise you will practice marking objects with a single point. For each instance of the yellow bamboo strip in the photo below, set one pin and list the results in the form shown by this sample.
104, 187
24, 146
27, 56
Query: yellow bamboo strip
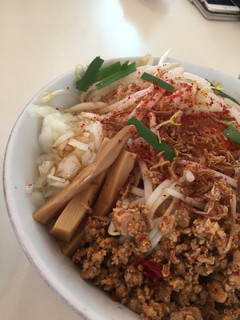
51, 209
69, 247
75, 210
116, 177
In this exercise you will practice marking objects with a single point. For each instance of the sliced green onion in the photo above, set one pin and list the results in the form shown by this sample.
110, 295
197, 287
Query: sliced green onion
124, 64
159, 82
152, 138
90, 75
232, 133
224, 95
117, 75
107, 71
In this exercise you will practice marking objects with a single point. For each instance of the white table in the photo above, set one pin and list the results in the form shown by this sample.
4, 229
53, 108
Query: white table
40, 40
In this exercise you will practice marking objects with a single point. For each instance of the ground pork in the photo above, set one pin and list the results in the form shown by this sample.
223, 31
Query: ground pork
187, 313
193, 272
182, 288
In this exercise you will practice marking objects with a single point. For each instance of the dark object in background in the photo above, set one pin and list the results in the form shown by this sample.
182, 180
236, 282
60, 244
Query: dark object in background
221, 6
219, 9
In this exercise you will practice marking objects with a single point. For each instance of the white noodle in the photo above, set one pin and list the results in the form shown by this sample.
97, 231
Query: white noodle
200, 81
47, 96
137, 191
89, 115
140, 200
232, 182
180, 196
86, 106
152, 101
164, 57
128, 101
155, 240
170, 208
188, 175
158, 191
163, 196
173, 74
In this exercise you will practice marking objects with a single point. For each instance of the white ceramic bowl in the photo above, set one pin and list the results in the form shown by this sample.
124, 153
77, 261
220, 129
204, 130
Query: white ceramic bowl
41, 249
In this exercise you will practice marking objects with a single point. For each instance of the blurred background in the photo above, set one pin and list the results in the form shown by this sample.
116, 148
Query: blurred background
40, 40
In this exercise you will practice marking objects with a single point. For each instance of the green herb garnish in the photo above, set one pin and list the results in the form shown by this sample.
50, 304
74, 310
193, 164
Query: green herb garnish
152, 139
124, 64
159, 82
232, 133
106, 75
107, 71
90, 75
124, 71
224, 95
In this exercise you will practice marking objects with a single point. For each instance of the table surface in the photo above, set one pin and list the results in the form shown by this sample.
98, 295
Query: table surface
39, 40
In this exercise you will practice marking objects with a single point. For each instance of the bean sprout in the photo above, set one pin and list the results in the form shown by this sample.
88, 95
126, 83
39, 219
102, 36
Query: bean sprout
47, 96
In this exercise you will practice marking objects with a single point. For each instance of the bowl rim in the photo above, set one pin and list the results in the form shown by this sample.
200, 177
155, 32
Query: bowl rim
7, 195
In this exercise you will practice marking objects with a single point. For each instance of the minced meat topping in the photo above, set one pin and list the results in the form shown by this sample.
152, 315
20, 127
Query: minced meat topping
189, 276
192, 271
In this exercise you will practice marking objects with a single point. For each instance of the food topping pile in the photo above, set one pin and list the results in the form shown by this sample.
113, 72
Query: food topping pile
140, 185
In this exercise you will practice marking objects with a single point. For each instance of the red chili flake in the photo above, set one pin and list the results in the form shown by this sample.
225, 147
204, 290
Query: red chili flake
150, 269
30, 184
216, 290
114, 296
119, 213
203, 249
211, 128
217, 209
193, 258
119, 140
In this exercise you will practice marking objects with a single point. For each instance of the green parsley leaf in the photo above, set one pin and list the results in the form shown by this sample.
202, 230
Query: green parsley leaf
124, 71
107, 71
152, 139
90, 75
224, 95
159, 82
232, 133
